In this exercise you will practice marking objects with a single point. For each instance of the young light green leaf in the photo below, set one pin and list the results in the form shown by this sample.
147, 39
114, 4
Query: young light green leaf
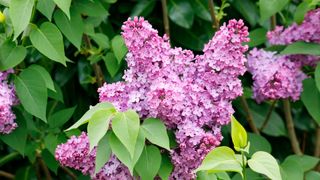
60, 117
103, 153
44, 74
302, 48
125, 126
111, 63
32, 92
98, 126
264, 163
149, 162
46, 7
64, 5
72, 28
155, 131
122, 153
20, 14
166, 167
271, 7
317, 76
118, 47
220, 159
238, 135
181, 13
11, 55
311, 99
48, 40
85, 118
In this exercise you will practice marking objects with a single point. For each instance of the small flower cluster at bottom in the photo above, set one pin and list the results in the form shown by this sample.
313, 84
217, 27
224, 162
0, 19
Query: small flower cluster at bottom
7, 100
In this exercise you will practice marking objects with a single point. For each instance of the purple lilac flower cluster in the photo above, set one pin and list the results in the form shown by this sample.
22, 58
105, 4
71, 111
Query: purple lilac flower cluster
274, 76
191, 94
307, 31
7, 100
75, 154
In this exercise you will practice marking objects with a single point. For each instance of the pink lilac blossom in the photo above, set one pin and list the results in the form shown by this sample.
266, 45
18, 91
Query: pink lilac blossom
75, 154
308, 31
191, 94
275, 76
7, 100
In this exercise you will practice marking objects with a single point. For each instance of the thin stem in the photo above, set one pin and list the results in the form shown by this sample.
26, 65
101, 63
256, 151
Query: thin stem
96, 68
243, 166
44, 168
268, 115
249, 116
6, 175
317, 145
215, 22
70, 173
273, 22
8, 158
290, 126
165, 17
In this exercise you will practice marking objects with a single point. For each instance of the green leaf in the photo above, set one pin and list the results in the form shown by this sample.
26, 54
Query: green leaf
24, 173
311, 99
11, 55
204, 175
119, 48
48, 40
264, 163
306, 162
17, 138
143, 8
51, 143
91, 8
50, 161
58, 95
271, 7
44, 74
302, 48
149, 162
220, 159
20, 14
101, 39
111, 63
181, 13
257, 37
122, 153
317, 76
248, 9
311, 175
301, 10
32, 92
166, 167
46, 7
73, 29
238, 135
291, 170
258, 143
202, 9
155, 131
125, 126
103, 153
98, 126
59, 118
85, 118
64, 5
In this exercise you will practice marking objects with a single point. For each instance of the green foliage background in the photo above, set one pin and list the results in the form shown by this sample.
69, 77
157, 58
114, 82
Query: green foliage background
63, 50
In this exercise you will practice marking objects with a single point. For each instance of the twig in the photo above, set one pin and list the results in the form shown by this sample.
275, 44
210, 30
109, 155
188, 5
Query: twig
290, 126
249, 116
6, 175
96, 68
165, 17
268, 115
215, 22
317, 145
273, 22
70, 173
43, 167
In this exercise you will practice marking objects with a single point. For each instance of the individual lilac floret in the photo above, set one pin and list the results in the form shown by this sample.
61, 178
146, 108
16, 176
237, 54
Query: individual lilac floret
7, 100
187, 92
307, 31
75, 154
275, 77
